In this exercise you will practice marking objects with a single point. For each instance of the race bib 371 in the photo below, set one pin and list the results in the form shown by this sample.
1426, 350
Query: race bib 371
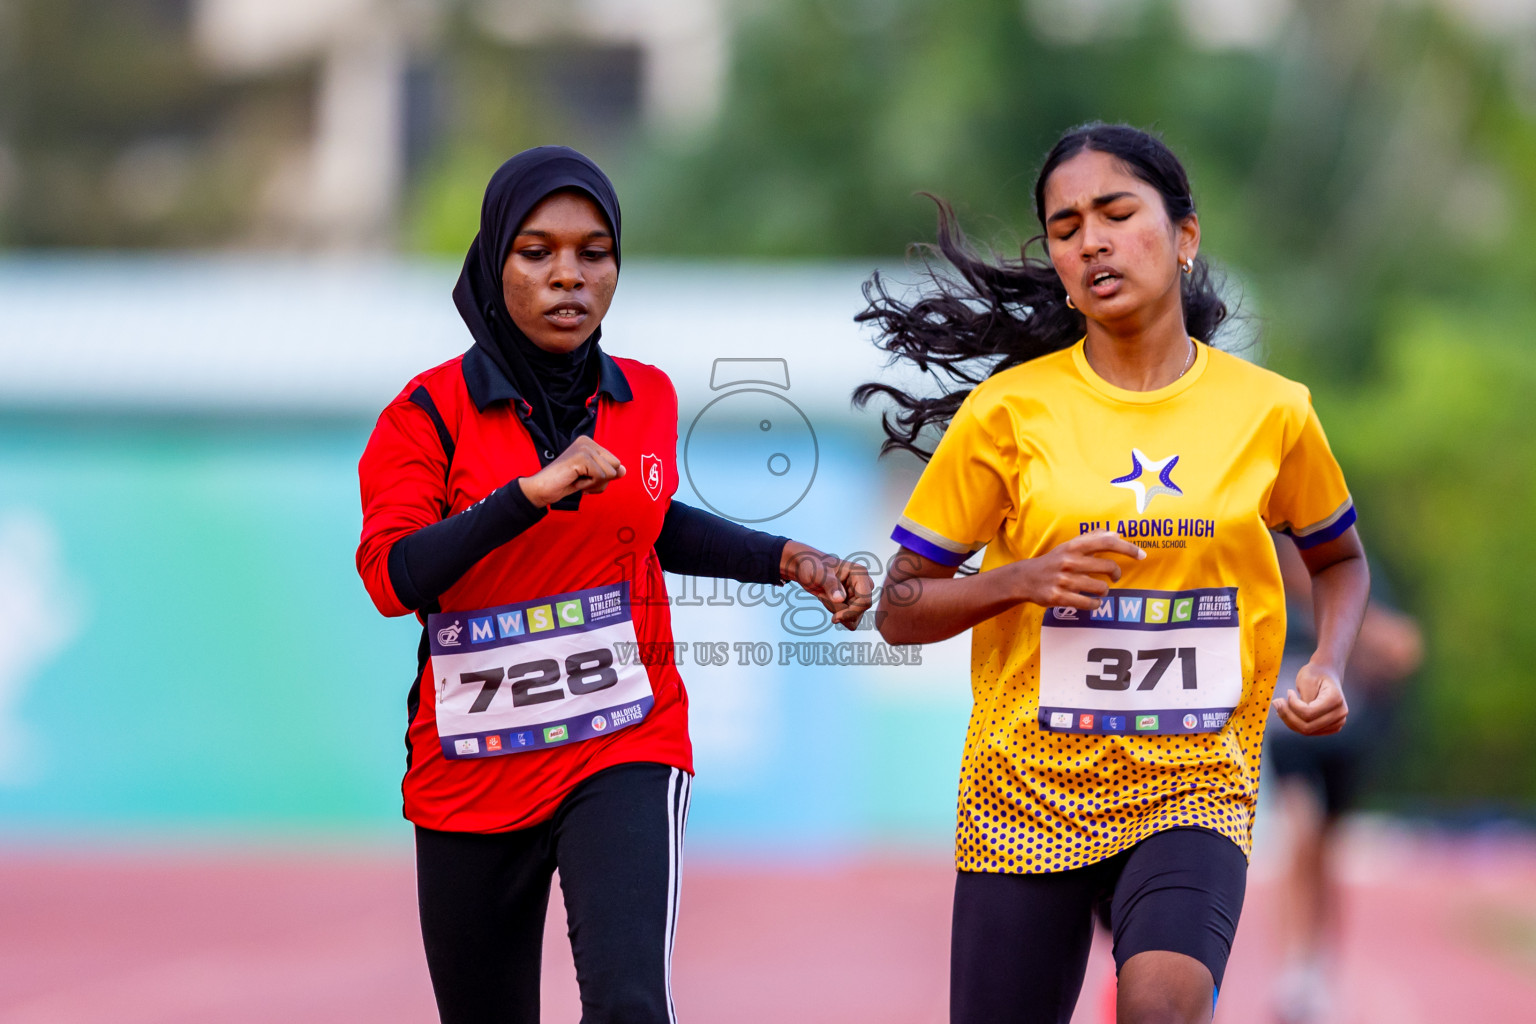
1145, 662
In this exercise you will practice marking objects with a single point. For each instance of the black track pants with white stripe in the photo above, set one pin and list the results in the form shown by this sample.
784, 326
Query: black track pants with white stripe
617, 841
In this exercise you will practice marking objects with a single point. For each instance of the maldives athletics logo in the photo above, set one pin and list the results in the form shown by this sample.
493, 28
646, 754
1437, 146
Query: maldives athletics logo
650, 475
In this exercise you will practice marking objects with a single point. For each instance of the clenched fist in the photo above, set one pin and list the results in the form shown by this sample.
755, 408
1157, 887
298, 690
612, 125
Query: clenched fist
586, 467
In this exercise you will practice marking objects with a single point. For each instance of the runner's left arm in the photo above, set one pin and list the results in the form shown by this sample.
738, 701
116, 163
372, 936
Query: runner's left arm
694, 542
697, 543
1341, 586
1310, 503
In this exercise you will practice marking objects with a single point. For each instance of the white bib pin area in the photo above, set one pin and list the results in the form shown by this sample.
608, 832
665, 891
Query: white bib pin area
536, 674
1145, 662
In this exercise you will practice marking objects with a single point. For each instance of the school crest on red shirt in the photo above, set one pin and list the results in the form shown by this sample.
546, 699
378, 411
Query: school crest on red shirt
650, 475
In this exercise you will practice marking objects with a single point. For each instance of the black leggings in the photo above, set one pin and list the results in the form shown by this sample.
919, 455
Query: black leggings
618, 842
1019, 944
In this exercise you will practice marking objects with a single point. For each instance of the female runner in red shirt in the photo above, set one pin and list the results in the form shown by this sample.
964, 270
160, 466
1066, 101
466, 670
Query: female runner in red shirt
519, 500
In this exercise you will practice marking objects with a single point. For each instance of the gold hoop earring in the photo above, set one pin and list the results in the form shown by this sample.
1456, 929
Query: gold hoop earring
1069, 303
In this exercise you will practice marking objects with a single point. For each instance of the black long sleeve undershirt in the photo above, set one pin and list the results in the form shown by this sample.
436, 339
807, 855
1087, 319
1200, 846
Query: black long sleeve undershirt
424, 564
692, 542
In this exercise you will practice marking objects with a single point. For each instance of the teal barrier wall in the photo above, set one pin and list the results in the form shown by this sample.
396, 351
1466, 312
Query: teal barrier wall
186, 649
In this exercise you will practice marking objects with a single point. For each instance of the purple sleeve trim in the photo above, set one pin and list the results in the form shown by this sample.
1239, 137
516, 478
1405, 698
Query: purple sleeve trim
1330, 532
929, 550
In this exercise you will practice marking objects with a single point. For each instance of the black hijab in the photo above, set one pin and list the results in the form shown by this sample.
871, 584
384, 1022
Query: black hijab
556, 386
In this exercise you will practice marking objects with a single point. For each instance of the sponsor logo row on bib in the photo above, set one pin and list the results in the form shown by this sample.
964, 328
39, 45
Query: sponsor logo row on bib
586, 609
537, 619
1137, 609
1083, 721
1215, 607
495, 744
515, 740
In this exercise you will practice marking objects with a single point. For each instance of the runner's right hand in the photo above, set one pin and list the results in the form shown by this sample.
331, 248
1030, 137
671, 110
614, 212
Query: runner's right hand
1316, 707
585, 466
1070, 574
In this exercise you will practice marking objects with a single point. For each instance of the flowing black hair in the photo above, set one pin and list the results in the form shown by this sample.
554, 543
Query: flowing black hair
989, 315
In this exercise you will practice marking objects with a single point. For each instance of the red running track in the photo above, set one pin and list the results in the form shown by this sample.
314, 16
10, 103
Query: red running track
1436, 931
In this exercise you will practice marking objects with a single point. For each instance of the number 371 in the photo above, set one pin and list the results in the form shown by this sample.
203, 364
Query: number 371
1115, 667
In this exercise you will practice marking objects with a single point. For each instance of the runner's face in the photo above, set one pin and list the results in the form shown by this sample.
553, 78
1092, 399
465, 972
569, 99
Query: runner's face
560, 273
1110, 239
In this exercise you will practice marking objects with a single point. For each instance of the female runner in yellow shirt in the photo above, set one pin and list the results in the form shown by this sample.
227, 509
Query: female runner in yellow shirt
1128, 619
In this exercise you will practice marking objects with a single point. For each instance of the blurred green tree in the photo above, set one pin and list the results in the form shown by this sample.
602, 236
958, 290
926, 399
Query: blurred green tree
113, 135
1323, 162
1365, 178
1440, 449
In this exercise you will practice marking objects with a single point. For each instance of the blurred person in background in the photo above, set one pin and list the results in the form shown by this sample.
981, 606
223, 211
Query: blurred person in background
1087, 789
518, 499
1319, 779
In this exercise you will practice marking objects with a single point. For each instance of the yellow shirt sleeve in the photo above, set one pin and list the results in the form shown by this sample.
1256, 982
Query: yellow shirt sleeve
1309, 501
967, 489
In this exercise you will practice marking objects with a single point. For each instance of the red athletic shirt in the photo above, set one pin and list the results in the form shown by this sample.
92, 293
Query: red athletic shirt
609, 538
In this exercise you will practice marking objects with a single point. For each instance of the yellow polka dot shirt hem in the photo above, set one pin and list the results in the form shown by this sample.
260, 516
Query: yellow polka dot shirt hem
1197, 473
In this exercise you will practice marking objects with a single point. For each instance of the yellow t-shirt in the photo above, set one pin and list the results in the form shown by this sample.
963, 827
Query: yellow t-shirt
1150, 711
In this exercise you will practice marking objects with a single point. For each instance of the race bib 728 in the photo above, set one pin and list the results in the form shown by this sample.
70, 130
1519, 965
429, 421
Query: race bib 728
535, 674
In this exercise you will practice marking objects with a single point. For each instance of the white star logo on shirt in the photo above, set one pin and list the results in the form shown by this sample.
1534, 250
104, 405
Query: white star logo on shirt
1145, 471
